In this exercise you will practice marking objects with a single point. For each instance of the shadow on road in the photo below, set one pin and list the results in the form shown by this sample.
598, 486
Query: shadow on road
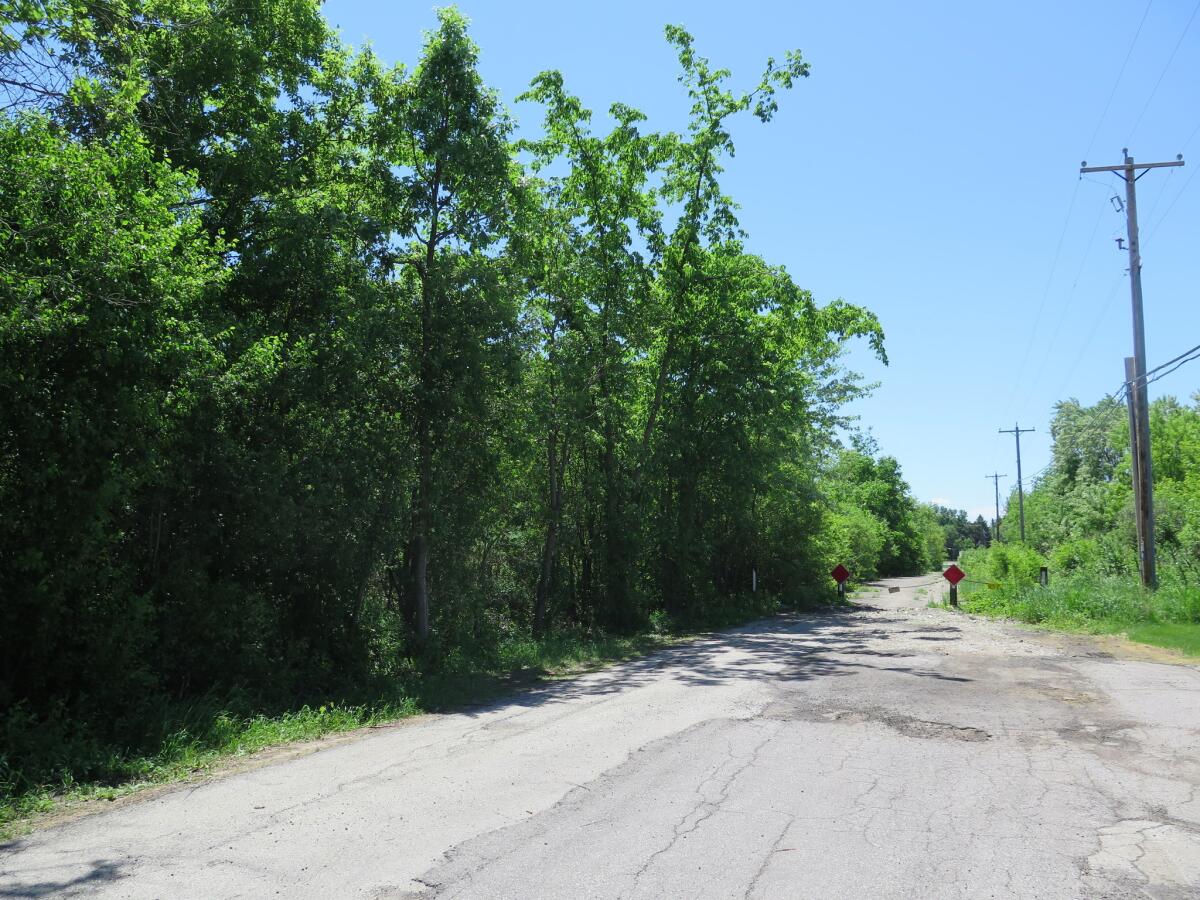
811, 646
101, 871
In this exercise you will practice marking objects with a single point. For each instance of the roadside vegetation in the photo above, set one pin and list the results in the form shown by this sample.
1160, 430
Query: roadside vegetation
1080, 525
330, 395
65, 767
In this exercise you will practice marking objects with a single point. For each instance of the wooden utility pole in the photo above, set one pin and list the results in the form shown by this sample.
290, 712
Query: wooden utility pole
1144, 480
1134, 459
996, 483
1016, 431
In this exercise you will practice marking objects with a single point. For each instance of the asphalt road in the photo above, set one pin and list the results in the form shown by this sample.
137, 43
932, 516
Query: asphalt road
892, 751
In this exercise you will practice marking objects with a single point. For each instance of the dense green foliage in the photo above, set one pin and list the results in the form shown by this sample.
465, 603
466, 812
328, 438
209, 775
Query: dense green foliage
1080, 525
315, 376
1079, 513
874, 526
960, 533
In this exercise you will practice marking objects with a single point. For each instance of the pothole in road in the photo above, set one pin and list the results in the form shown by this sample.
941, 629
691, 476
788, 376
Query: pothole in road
921, 729
909, 726
1114, 734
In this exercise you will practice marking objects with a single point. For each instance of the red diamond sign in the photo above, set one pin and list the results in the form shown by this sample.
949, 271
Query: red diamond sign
954, 574
840, 574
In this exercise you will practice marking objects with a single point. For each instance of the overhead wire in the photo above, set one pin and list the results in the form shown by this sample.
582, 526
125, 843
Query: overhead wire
1066, 306
1042, 304
1094, 420
1162, 192
1117, 397
1167, 363
1162, 74
1167, 211
1190, 355
1120, 74
1092, 424
1041, 308
1192, 136
1058, 249
1167, 183
1178, 365
1122, 391
1070, 208
1120, 395
1182, 150
1096, 321
1088, 247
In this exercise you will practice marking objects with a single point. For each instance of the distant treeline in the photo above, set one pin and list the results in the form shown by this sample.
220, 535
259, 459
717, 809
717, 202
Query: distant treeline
310, 368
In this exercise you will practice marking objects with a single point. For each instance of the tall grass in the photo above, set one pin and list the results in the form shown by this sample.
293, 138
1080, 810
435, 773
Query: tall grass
1087, 602
1085, 593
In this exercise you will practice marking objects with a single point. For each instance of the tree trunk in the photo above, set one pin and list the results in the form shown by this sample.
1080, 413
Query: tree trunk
660, 384
425, 414
616, 587
421, 538
555, 470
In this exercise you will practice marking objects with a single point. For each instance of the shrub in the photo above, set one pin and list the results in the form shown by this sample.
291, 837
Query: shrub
1015, 563
1079, 555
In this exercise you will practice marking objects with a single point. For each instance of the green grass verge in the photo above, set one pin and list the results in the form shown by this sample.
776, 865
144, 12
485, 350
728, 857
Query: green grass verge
1168, 617
47, 767
1184, 638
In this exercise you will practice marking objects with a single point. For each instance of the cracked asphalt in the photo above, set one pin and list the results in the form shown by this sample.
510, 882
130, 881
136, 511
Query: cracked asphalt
888, 751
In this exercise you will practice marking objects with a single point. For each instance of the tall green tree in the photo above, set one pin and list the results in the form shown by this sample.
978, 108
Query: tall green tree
610, 205
446, 135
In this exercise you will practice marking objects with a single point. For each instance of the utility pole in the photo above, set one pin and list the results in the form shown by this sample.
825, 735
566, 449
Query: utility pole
1016, 431
996, 483
1134, 460
1144, 480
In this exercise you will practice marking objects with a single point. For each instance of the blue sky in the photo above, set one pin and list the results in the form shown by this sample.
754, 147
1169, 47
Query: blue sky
928, 170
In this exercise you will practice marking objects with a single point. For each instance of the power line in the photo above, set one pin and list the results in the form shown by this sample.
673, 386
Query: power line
1191, 137
1096, 321
1173, 368
1070, 207
1070, 298
1170, 59
1154, 230
1167, 212
1049, 282
1050, 349
1045, 295
1189, 353
1120, 73
1162, 192
1093, 422
1181, 363
1097, 418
